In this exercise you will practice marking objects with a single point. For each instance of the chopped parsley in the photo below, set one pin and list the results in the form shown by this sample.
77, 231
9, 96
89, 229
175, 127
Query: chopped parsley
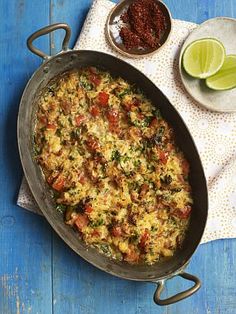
124, 92
156, 112
36, 150
85, 84
97, 223
159, 135
116, 156
61, 208
146, 121
137, 163
105, 249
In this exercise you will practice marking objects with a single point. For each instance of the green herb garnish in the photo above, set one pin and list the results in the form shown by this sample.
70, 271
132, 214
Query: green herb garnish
61, 208
116, 156
97, 223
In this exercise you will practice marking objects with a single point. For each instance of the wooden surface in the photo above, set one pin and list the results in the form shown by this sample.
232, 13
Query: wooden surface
38, 272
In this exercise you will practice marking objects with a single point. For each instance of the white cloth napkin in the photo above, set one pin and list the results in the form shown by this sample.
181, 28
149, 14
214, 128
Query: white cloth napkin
214, 133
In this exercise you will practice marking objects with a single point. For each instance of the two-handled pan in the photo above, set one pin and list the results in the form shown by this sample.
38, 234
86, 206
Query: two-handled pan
67, 60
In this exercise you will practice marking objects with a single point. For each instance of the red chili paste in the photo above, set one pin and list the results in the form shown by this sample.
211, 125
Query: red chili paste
145, 24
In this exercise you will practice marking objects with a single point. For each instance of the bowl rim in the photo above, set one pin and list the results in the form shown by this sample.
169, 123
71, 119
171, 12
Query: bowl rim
125, 52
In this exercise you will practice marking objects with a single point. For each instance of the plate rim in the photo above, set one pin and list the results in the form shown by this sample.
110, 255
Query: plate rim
180, 66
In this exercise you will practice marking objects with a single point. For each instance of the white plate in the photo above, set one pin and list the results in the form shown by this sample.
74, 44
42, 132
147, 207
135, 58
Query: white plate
223, 29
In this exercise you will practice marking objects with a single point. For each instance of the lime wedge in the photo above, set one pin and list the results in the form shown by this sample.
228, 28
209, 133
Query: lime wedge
204, 57
226, 77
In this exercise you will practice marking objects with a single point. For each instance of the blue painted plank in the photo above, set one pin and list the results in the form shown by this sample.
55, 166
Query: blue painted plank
200, 10
81, 288
71, 12
25, 239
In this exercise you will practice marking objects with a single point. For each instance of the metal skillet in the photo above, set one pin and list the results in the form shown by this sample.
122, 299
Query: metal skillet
54, 66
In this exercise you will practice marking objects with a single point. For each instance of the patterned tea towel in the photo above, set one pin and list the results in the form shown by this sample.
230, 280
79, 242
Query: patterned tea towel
214, 133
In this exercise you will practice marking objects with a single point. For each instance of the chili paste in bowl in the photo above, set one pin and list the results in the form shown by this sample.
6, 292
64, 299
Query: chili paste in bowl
138, 27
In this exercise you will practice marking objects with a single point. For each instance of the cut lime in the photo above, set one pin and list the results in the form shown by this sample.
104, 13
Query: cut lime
204, 57
226, 77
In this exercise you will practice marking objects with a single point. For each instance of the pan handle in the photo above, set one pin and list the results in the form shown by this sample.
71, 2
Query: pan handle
179, 296
44, 31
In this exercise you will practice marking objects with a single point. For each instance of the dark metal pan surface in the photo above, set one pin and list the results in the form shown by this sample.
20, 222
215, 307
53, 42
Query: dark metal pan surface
68, 60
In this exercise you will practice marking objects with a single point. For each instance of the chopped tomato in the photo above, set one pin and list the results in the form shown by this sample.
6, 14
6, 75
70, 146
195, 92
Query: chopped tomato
52, 177
92, 70
82, 221
183, 213
140, 115
95, 233
131, 106
113, 116
66, 107
99, 159
103, 99
43, 120
132, 256
92, 143
81, 178
136, 102
144, 190
51, 126
58, 184
116, 231
153, 123
52, 105
185, 167
144, 239
169, 147
114, 128
163, 156
79, 119
94, 110
127, 106
181, 178
95, 79
88, 209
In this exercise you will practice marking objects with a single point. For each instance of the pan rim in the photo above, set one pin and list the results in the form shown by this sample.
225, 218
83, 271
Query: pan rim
184, 262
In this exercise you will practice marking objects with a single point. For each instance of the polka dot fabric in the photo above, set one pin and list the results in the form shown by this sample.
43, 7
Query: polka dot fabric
214, 133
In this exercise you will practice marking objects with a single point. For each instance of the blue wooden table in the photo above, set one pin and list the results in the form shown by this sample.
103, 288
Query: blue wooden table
38, 272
